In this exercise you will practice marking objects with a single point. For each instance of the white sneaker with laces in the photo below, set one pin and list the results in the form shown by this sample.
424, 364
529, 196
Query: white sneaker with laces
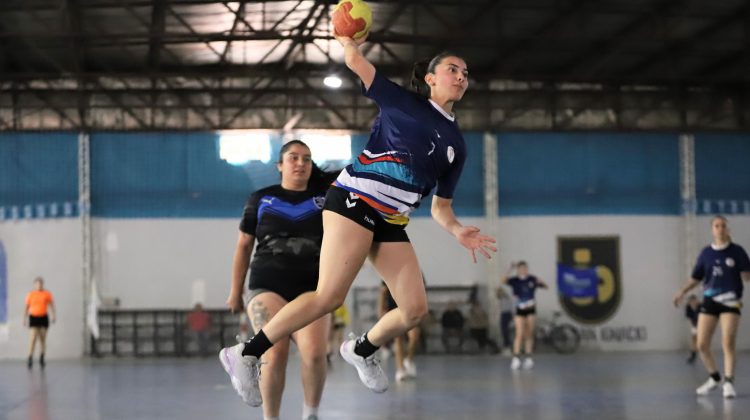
515, 364
368, 368
707, 387
728, 390
410, 367
244, 372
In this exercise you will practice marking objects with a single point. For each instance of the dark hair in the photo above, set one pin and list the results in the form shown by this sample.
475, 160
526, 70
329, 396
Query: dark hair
522, 263
422, 68
319, 179
720, 217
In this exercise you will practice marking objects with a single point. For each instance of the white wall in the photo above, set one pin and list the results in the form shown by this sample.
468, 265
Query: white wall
52, 249
156, 263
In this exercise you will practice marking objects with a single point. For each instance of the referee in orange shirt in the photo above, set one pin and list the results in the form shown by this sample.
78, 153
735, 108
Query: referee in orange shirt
36, 316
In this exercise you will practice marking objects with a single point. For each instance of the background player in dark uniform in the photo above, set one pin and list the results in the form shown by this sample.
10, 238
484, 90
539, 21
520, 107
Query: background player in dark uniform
415, 145
285, 220
404, 347
692, 308
524, 288
721, 267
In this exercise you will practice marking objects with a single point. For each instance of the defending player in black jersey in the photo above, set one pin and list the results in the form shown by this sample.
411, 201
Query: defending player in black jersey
284, 222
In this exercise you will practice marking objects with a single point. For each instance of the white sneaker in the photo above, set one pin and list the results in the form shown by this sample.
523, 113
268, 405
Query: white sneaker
728, 389
707, 387
410, 368
368, 368
401, 375
244, 372
528, 363
515, 364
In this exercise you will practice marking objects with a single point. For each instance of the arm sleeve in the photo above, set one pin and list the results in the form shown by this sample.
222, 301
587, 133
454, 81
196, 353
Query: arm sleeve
385, 93
447, 183
699, 271
250, 215
744, 263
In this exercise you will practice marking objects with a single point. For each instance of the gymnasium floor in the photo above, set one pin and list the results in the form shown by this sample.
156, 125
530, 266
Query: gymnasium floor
643, 385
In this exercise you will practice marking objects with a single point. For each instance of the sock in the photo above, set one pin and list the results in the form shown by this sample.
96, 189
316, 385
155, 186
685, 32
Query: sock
363, 347
729, 379
715, 376
308, 411
257, 345
270, 418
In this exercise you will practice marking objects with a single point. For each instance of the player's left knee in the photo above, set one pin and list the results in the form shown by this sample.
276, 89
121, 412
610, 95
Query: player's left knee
315, 357
414, 315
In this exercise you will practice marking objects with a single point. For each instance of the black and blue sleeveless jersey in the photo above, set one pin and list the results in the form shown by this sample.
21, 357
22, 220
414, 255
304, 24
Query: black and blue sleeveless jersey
288, 229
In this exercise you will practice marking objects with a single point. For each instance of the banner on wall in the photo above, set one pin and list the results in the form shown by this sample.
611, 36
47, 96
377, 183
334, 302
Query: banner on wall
3, 295
600, 255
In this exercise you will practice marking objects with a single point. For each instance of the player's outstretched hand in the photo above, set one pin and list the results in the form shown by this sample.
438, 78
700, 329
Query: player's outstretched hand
345, 39
677, 299
470, 238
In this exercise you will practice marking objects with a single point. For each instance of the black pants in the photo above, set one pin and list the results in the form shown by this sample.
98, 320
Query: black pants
480, 335
505, 319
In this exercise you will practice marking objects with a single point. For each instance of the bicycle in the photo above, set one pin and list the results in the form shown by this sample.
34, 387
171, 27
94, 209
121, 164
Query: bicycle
563, 337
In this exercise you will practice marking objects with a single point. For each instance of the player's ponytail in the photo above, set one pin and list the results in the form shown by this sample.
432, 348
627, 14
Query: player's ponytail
321, 179
417, 78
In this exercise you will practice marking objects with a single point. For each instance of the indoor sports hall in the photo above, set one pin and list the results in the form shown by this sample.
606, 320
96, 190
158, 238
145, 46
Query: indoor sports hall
604, 146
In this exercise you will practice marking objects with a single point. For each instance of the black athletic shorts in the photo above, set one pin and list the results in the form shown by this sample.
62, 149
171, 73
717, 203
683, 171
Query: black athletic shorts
714, 308
526, 311
286, 283
349, 205
38, 321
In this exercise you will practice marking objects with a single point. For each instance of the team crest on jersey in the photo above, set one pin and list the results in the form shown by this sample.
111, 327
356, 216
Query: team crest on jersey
729, 262
319, 202
451, 154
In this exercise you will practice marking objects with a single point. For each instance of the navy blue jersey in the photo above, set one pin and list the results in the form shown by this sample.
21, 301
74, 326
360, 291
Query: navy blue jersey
524, 291
720, 269
288, 228
414, 146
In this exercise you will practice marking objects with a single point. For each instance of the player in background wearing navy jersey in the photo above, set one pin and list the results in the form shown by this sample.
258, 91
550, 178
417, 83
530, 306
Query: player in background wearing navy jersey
721, 268
286, 221
415, 145
524, 287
